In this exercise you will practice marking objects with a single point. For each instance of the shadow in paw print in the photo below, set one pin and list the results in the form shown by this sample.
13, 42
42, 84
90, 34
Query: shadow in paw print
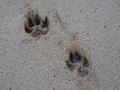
77, 61
35, 25
85, 62
75, 57
70, 65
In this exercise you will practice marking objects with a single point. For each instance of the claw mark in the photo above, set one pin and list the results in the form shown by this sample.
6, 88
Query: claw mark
45, 23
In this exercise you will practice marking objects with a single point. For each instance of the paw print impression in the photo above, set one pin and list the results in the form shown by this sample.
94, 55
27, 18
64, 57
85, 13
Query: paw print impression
78, 62
35, 25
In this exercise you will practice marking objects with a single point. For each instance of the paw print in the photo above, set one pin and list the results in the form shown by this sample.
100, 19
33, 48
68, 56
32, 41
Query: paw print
35, 25
78, 62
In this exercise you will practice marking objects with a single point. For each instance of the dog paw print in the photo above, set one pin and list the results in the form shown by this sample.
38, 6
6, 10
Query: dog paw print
35, 25
78, 62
